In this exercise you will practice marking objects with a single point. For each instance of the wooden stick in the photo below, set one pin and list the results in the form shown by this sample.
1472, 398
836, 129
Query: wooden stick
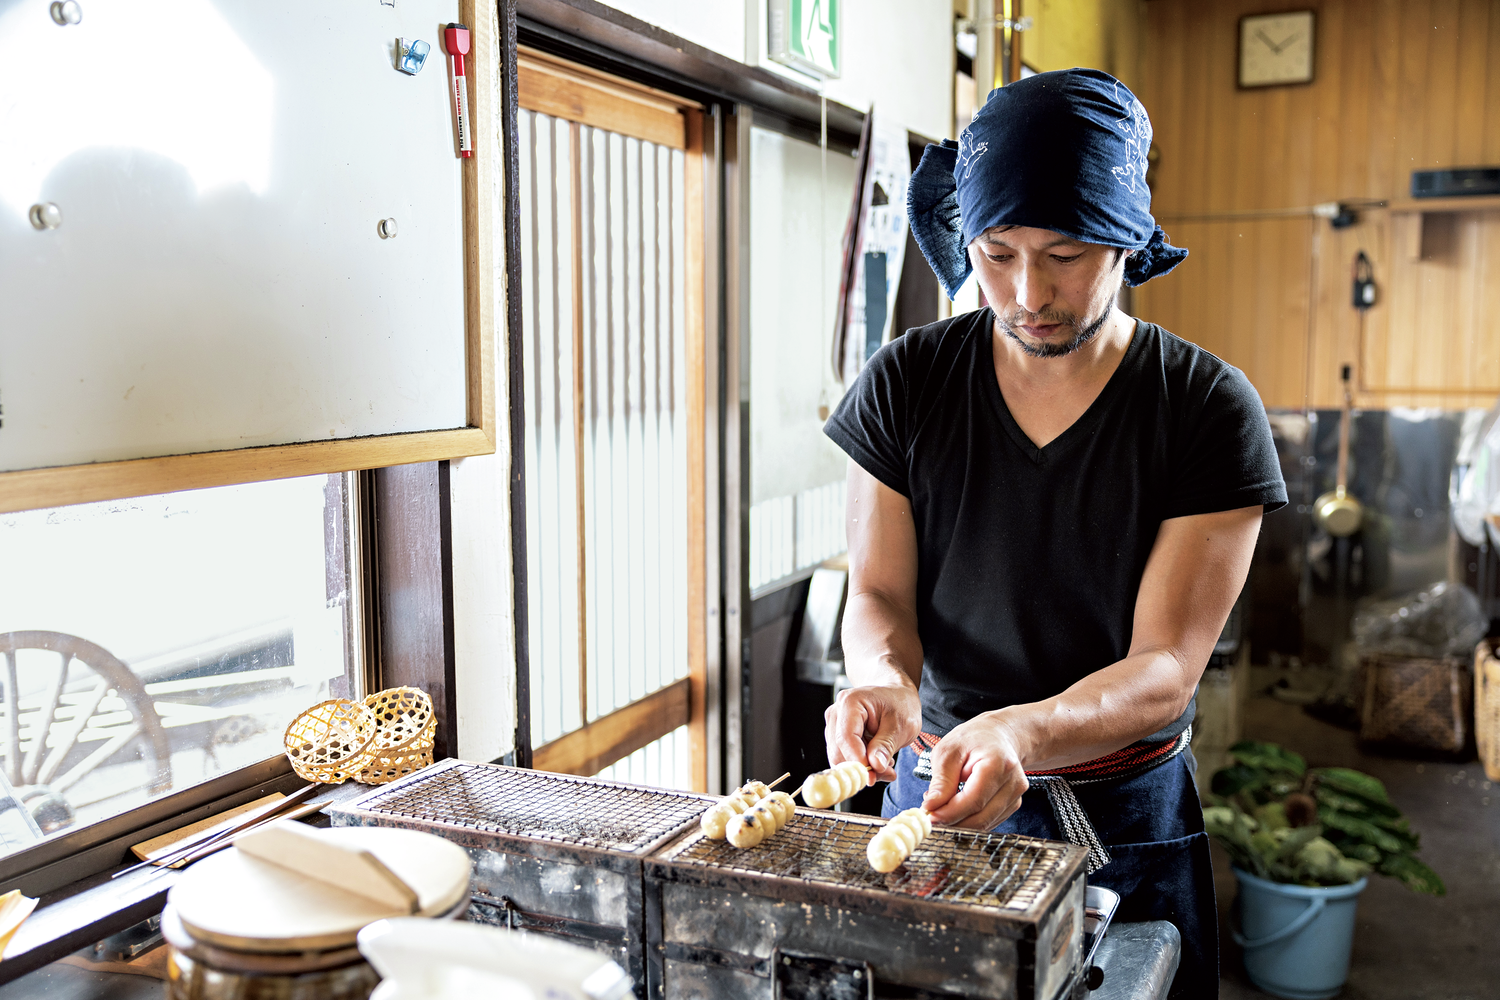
305, 809
220, 843
780, 780
248, 820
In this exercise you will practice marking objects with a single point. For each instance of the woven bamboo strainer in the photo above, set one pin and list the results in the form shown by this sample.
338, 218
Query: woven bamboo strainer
405, 732
332, 741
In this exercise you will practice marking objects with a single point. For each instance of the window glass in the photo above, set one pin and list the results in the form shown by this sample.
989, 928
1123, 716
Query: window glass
799, 203
150, 644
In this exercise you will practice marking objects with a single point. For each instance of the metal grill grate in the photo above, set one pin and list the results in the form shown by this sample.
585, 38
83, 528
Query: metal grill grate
999, 871
541, 805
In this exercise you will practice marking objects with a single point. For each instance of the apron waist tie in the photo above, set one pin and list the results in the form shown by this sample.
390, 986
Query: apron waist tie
1072, 820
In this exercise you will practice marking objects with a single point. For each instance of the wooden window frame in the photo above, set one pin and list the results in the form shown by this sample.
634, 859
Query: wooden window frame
405, 586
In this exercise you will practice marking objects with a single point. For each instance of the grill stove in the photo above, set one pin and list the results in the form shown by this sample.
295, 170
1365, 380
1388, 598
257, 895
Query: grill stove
625, 870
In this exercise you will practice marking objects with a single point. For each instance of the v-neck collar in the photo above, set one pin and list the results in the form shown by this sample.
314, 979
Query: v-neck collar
1078, 428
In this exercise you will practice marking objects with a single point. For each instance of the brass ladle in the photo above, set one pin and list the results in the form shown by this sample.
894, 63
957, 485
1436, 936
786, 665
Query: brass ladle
1336, 512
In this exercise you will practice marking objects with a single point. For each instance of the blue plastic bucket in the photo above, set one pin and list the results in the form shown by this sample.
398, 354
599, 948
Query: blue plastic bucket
1297, 938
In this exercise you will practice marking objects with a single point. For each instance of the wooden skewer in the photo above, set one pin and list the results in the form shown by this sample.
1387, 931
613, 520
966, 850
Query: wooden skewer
220, 843
780, 780
252, 818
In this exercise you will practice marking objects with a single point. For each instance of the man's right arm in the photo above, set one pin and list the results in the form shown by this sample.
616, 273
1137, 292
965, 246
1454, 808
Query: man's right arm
882, 651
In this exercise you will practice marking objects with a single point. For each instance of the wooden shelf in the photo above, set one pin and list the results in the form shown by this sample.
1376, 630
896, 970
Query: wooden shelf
1468, 203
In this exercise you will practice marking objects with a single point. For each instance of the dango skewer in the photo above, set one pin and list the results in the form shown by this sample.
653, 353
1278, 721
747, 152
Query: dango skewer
715, 821
830, 787
895, 842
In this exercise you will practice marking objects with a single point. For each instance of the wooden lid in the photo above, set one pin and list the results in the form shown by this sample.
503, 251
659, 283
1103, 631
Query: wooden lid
236, 900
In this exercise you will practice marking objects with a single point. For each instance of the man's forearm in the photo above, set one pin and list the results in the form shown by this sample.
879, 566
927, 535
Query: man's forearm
1105, 711
881, 645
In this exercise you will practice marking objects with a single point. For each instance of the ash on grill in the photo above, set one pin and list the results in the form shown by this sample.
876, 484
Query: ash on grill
552, 852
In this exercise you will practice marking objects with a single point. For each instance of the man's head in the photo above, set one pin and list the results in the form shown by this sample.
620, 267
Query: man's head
1051, 293
1064, 152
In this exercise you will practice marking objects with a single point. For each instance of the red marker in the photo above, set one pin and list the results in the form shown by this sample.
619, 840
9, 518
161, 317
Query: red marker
456, 40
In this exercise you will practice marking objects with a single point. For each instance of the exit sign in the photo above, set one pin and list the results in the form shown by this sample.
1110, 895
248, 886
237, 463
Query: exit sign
805, 34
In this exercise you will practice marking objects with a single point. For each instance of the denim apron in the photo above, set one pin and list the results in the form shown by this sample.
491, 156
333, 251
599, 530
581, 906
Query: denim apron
1152, 826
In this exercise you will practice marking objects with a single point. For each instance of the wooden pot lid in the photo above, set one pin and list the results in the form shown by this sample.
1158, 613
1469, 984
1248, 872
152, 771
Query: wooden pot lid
236, 900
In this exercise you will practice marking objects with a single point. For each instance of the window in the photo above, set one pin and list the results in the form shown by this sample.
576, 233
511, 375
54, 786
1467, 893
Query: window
800, 198
150, 644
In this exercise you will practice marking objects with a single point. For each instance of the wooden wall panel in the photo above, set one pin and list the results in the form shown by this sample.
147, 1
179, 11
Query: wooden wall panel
1399, 86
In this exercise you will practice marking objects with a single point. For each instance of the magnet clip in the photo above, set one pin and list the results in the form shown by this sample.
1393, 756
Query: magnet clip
411, 57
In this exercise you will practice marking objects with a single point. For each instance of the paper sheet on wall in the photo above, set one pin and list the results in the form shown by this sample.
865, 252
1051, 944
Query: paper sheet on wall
880, 248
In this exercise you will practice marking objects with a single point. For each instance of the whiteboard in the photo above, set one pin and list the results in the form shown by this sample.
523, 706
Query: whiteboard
218, 279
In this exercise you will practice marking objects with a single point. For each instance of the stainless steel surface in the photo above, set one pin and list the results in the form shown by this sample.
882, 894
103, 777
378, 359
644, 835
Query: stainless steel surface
1139, 961
1099, 906
1003, 872
539, 805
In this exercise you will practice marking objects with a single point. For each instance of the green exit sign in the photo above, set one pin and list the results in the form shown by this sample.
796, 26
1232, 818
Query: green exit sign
805, 34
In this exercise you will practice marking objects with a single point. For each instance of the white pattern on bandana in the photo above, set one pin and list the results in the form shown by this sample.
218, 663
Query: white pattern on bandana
1137, 129
968, 152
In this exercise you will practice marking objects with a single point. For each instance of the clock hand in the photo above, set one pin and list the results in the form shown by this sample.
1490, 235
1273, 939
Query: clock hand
1261, 34
1290, 39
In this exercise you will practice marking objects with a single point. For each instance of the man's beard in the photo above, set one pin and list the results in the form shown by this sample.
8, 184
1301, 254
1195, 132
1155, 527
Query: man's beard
1081, 335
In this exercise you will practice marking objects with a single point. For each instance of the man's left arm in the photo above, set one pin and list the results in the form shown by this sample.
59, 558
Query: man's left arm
1193, 576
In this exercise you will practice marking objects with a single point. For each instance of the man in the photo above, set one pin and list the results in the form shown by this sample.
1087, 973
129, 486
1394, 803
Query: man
1052, 509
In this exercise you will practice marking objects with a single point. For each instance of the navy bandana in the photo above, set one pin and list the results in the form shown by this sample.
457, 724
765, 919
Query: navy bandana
1064, 151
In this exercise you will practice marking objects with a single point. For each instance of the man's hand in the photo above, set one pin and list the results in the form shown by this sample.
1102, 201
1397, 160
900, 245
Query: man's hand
882, 652
985, 754
869, 724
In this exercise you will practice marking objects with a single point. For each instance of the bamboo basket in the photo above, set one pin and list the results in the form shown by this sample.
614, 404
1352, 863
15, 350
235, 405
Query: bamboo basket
1487, 707
405, 733
331, 742
1416, 701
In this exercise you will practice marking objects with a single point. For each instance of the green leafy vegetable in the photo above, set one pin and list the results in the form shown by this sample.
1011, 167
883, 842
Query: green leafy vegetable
1414, 874
1357, 829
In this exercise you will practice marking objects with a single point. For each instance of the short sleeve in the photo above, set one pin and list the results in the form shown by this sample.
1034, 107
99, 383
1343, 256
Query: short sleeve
1226, 458
871, 423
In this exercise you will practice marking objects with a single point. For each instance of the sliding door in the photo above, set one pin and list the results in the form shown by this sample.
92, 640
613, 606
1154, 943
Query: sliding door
612, 237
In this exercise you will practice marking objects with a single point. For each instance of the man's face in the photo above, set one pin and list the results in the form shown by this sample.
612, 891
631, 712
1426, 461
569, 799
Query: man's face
1051, 294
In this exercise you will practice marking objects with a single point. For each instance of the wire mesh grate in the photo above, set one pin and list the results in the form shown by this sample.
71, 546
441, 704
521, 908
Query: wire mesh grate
999, 871
541, 805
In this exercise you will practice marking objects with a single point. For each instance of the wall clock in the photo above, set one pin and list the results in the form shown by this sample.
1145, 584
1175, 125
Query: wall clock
1276, 49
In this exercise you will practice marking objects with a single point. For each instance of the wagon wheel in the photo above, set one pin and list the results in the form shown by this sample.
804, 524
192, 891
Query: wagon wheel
38, 744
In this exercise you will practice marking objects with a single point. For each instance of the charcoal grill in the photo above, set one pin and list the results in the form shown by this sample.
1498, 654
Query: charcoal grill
624, 869
970, 914
552, 852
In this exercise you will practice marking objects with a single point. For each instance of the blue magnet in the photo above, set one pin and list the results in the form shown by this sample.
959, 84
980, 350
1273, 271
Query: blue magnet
411, 58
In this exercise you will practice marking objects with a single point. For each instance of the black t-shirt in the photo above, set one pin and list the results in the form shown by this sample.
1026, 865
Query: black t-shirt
1030, 559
